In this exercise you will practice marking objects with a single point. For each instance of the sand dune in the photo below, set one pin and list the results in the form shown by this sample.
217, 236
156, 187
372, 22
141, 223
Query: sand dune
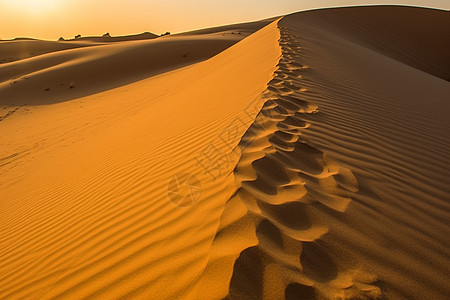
124, 38
419, 38
237, 29
103, 236
306, 161
56, 75
19, 48
334, 184
11, 51
75, 73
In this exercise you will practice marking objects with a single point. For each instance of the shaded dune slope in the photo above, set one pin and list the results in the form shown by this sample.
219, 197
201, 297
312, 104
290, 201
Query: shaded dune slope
16, 50
387, 122
88, 214
124, 38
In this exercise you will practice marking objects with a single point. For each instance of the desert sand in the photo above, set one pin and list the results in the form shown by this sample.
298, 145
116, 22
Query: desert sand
302, 157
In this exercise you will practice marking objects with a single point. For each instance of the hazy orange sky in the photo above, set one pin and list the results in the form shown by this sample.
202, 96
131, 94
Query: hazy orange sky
50, 19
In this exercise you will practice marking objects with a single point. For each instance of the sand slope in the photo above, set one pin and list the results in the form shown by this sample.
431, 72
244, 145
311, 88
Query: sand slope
341, 183
20, 49
388, 123
415, 36
70, 74
124, 38
308, 161
95, 219
61, 71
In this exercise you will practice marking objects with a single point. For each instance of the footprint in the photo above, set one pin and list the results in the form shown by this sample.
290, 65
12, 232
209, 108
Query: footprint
282, 181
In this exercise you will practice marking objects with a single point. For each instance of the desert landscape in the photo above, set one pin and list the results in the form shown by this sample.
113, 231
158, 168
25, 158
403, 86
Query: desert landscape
304, 156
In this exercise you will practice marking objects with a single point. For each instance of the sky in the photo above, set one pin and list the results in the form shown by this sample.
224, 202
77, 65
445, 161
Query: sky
50, 19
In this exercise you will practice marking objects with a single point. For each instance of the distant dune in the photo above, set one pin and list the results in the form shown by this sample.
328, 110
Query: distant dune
19, 49
304, 157
109, 39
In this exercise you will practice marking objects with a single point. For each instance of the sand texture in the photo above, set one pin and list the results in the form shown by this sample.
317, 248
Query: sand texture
305, 157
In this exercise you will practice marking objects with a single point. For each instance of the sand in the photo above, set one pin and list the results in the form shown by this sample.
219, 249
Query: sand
89, 67
307, 159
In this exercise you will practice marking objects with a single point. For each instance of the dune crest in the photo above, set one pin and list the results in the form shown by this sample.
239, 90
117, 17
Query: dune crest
306, 161
268, 242
43, 72
95, 215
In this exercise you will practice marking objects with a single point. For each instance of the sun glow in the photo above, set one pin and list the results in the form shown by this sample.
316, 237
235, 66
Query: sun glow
36, 7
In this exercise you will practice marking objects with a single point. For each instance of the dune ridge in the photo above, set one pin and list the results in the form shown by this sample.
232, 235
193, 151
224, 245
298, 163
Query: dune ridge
387, 121
418, 38
88, 211
44, 72
74, 73
320, 156
11, 51
326, 200
277, 250
115, 39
